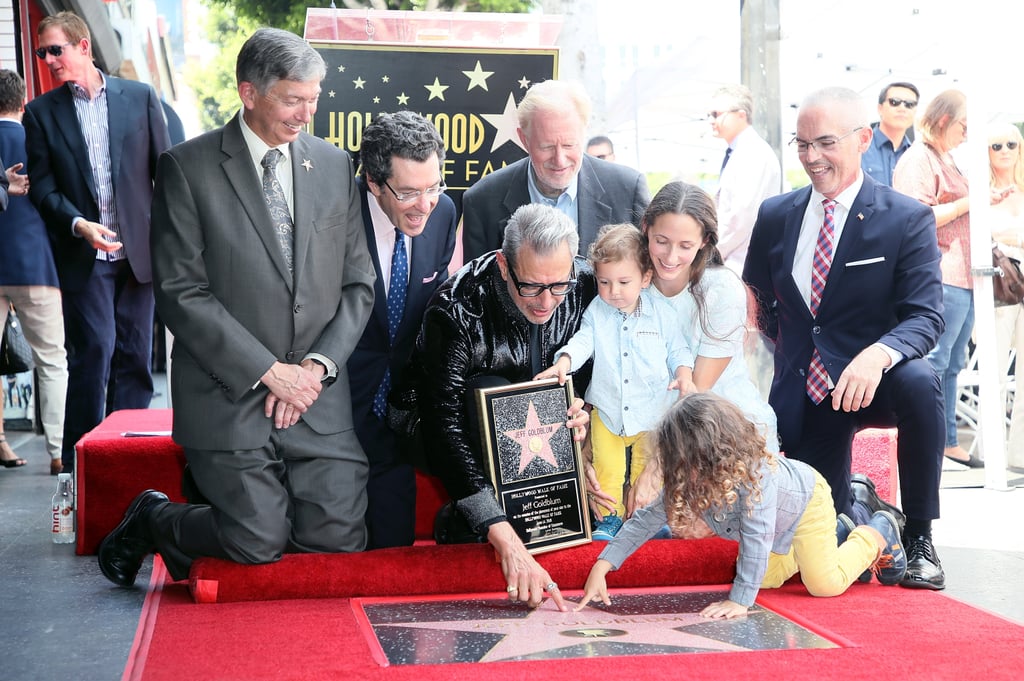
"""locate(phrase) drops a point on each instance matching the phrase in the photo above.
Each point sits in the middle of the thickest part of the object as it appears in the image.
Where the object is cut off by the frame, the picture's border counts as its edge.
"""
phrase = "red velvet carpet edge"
(461, 568)
(895, 633)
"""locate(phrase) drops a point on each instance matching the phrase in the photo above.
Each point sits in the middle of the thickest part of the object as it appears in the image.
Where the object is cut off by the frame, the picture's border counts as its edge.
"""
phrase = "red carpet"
(895, 633)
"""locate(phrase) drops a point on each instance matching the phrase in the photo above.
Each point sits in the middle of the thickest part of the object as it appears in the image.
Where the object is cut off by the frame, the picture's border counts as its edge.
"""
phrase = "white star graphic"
(330, 93)
(403, 99)
(506, 125)
(436, 90)
(385, 79)
(478, 77)
(376, 100)
(307, 164)
(341, 69)
(524, 83)
(359, 83)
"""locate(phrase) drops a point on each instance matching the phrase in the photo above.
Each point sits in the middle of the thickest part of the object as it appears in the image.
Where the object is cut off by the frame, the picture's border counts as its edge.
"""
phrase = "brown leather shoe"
(56, 466)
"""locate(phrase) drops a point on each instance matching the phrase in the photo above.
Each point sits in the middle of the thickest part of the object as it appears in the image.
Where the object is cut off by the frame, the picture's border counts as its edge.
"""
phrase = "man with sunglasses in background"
(93, 145)
(498, 320)
(894, 132)
(410, 228)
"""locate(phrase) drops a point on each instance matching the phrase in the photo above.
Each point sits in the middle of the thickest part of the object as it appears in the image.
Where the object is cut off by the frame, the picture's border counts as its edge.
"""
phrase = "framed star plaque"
(534, 463)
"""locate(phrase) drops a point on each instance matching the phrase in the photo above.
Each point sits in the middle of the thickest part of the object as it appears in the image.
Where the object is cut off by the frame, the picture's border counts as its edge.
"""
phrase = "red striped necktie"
(817, 376)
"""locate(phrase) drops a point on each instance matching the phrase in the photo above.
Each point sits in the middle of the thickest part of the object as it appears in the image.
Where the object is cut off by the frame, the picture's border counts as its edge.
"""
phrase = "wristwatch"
(330, 375)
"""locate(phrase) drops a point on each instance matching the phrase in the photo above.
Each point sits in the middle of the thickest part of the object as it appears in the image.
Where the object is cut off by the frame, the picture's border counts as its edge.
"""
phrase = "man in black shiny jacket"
(499, 318)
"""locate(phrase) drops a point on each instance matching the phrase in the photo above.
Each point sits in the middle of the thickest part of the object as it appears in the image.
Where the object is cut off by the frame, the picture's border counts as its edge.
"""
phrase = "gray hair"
(271, 54)
(541, 228)
(849, 105)
(561, 96)
(403, 134)
(741, 97)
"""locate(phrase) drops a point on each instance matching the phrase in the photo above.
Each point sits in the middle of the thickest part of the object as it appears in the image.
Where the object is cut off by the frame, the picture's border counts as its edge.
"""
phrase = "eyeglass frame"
(715, 115)
(895, 102)
(55, 50)
(998, 146)
(822, 144)
(569, 284)
(407, 197)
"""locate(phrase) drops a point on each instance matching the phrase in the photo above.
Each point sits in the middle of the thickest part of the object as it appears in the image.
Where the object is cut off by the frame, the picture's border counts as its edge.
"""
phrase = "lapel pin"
(307, 164)
(860, 216)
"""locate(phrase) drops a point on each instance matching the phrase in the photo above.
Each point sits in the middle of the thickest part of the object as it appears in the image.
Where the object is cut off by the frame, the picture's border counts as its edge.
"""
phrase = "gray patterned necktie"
(278, 205)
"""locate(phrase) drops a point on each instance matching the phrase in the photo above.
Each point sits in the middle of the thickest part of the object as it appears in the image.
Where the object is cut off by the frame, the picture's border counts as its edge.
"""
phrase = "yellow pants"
(610, 458)
(826, 569)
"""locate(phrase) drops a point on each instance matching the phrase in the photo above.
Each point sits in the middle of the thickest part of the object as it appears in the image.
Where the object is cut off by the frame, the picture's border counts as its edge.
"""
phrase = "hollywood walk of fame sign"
(534, 462)
(482, 628)
(469, 93)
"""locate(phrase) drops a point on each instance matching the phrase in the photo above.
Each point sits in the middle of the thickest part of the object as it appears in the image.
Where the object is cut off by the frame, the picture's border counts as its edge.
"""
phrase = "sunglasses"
(55, 50)
(909, 104)
(999, 145)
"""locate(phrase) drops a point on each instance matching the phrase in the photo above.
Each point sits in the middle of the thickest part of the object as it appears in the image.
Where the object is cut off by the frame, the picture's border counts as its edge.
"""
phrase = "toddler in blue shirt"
(641, 360)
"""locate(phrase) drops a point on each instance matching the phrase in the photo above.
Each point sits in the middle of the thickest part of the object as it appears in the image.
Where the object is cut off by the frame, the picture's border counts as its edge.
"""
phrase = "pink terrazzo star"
(535, 439)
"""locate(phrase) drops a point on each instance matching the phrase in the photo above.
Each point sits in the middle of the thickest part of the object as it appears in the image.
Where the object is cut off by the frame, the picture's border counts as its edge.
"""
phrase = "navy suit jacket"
(607, 193)
(374, 353)
(25, 255)
(884, 286)
(62, 186)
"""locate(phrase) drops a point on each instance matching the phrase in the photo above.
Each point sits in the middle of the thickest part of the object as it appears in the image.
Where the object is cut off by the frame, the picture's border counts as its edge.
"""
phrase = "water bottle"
(63, 527)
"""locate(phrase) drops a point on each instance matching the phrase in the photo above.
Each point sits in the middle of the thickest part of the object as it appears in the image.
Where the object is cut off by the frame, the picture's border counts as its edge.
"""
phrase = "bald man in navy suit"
(875, 313)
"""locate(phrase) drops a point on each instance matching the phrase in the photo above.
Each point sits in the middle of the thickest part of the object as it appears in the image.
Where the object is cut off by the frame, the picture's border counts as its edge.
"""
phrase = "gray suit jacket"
(607, 193)
(223, 289)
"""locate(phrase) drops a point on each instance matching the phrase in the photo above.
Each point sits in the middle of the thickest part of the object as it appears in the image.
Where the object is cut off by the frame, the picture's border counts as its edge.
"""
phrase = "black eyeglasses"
(999, 145)
(55, 50)
(822, 144)
(531, 290)
(907, 103)
(406, 197)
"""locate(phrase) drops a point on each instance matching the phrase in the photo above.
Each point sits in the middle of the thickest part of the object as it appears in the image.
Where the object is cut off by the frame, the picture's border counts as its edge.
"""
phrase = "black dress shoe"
(863, 489)
(123, 550)
(924, 571)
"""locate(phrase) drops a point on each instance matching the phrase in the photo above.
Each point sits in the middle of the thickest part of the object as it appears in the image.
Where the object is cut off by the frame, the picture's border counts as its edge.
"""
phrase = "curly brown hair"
(708, 450)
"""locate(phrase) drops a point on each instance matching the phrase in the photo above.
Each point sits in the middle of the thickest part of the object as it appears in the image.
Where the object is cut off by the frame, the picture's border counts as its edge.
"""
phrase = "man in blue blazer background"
(93, 144)
(553, 118)
(402, 190)
(877, 313)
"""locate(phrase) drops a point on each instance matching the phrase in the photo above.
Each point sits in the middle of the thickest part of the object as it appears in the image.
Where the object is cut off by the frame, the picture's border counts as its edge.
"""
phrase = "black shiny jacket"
(473, 328)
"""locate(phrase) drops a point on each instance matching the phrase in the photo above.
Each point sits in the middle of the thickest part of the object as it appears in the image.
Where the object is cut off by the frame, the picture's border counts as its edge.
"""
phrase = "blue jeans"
(949, 356)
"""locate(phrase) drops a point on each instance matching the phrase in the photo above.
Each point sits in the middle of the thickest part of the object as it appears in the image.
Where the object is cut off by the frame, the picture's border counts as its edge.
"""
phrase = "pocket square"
(432, 277)
(868, 261)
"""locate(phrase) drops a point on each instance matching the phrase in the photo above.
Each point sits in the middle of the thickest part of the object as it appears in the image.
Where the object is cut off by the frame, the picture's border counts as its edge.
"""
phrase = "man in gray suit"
(553, 118)
(265, 309)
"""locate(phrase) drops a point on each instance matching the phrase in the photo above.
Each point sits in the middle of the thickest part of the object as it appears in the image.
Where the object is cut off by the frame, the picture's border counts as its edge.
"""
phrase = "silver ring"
(551, 586)
(512, 589)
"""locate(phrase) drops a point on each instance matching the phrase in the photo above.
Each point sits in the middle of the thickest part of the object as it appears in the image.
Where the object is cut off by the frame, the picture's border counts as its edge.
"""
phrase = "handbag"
(1008, 288)
(15, 353)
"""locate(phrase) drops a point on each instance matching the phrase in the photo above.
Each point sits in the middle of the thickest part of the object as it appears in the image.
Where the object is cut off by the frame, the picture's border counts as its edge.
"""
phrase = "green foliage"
(213, 82)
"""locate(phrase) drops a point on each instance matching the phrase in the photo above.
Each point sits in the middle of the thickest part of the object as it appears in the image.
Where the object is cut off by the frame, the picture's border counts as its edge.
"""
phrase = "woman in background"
(928, 173)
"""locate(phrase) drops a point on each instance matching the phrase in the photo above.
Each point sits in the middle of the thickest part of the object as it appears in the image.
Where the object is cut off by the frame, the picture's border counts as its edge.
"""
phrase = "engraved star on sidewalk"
(547, 630)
